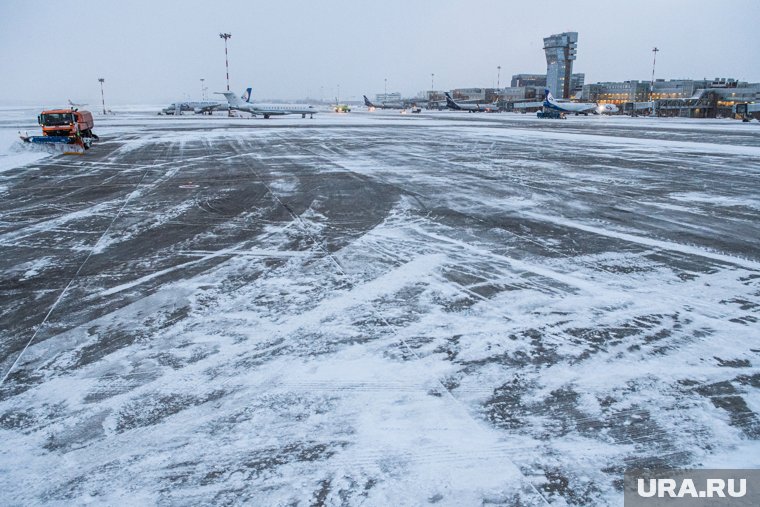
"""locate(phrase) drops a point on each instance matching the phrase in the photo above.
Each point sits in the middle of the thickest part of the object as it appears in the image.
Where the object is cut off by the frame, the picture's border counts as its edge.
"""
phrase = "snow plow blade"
(49, 139)
(60, 144)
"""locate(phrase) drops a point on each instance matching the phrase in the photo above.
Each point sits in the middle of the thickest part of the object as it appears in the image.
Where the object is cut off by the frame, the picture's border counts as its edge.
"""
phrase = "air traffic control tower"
(560, 52)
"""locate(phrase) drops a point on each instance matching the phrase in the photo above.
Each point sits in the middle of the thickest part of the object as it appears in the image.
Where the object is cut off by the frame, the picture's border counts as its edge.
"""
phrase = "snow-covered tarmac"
(377, 309)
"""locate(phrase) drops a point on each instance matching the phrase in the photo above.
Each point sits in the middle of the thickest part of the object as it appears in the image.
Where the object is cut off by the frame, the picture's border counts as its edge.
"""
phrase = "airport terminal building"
(520, 80)
(560, 52)
(475, 95)
(530, 88)
(381, 98)
(695, 98)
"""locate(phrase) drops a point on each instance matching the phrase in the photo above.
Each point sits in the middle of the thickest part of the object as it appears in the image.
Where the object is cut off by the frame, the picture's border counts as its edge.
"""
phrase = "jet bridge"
(703, 104)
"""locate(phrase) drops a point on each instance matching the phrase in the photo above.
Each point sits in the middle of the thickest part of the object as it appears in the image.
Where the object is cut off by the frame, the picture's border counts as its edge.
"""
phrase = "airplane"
(472, 108)
(209, 106)
(607, 109)
(583, 108)
(198, 107)
(266, 110)
(72, 104)
(385, 105)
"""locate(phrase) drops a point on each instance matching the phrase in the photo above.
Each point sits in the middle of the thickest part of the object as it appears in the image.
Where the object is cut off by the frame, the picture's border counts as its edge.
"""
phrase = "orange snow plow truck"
(69, 128)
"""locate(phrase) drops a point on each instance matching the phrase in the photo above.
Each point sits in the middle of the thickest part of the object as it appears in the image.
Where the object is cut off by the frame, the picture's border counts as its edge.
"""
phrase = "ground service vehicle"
(69, 128)
(554, 115)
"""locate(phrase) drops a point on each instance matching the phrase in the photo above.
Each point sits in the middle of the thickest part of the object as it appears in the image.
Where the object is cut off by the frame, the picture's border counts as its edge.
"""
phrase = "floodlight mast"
(226, 36)
(654, 62)
(651, 85)
(102, 96)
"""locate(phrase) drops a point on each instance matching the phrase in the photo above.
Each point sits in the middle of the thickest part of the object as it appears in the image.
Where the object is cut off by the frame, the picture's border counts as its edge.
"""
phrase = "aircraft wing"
(272, 112)
(211, 107)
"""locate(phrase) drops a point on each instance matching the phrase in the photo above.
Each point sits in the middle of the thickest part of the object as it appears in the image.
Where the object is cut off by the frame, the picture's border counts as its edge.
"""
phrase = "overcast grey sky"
(157, 51)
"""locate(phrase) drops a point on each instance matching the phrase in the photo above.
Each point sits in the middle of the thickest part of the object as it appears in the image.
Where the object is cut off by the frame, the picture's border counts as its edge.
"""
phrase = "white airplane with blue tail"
(568, 107)
(266, 110)
(577, 107)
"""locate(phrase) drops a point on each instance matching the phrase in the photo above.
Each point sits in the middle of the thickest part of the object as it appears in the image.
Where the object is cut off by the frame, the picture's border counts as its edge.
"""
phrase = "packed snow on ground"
(15, 153)
(381, 309)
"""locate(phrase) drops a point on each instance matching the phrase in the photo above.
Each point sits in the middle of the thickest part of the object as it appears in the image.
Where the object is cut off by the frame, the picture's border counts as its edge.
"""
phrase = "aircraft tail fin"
(246, 97)
(367, 102)
(450, 102)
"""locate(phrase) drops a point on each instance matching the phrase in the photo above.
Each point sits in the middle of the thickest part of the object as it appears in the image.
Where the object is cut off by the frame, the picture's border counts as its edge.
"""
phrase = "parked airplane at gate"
(569, 107)
(607, 109)
(472, 108)
(198, 107)
(386, 105)
(266, 110)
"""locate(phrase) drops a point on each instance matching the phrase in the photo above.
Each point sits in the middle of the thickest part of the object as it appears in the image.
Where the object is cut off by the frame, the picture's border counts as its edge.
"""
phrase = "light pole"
(102, 96)
(432, 82)
(385, 90)
(651, 85)
(654, 62)
(498, 76)
(203, 90)
(226, 36)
